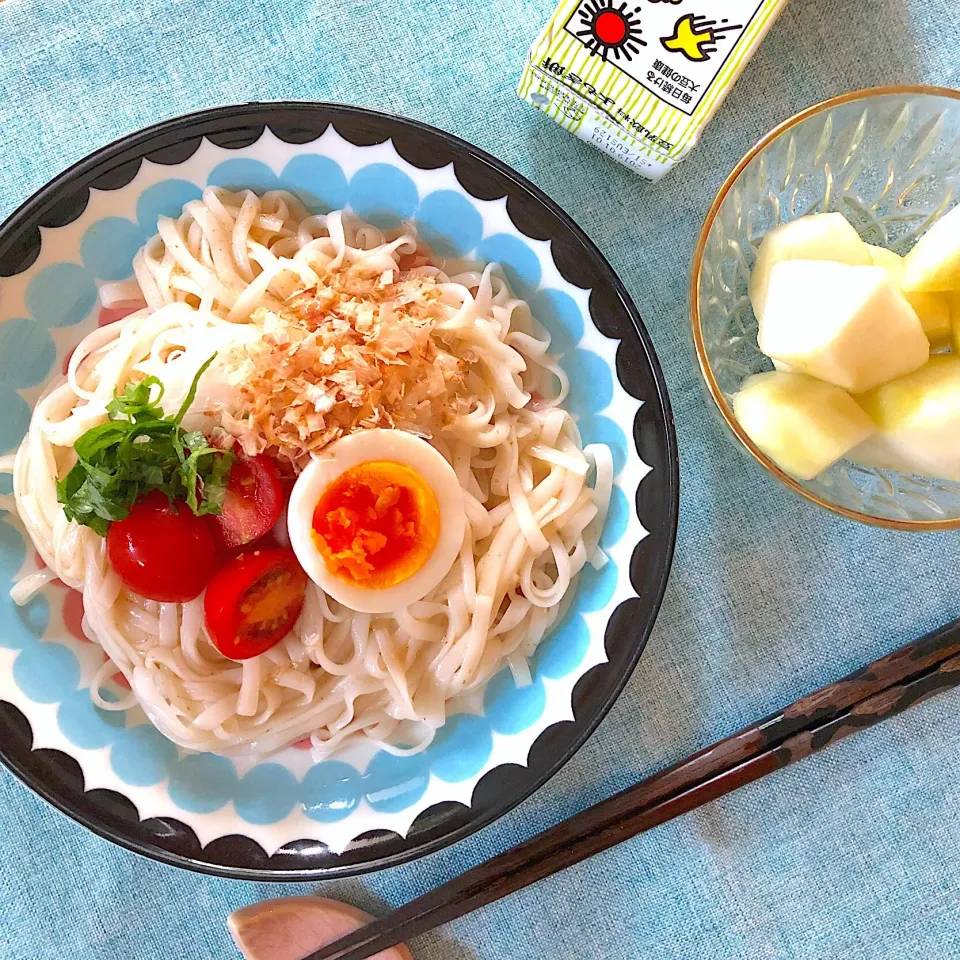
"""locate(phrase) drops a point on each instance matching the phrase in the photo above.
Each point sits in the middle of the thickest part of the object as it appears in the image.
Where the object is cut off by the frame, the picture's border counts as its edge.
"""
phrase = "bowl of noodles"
(339, 486)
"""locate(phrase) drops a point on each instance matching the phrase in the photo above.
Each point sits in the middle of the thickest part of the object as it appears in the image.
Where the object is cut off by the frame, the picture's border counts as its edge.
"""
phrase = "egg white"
(362, 447)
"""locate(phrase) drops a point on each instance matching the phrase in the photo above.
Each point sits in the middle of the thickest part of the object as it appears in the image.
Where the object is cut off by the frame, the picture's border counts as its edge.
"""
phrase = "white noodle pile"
(533, 519)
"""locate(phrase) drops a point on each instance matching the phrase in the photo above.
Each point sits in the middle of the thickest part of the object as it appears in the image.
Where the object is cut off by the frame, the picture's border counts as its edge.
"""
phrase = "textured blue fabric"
(855, 853)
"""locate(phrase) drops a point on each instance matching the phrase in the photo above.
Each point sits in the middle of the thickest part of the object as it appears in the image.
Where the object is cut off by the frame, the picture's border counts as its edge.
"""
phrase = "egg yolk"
(377, 524)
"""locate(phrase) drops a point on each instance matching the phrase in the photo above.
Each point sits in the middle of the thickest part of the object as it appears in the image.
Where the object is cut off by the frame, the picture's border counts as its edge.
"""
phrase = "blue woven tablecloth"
(852, 854)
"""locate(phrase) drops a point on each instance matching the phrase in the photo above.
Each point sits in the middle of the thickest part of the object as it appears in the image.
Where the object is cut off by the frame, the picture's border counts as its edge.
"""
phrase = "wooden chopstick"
(886, 687)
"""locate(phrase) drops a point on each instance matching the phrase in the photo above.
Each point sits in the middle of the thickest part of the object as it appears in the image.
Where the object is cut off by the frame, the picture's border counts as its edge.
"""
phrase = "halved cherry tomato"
(253, 502)
(161, 552)
(253, 602)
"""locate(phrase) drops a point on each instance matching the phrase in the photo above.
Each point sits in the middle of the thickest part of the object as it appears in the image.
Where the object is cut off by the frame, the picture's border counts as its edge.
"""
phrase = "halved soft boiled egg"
(377, 521)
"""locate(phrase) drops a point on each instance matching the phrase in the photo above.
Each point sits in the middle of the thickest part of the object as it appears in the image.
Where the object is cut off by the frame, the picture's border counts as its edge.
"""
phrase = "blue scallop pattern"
(330, 791)
(13, 552)
(450, 223)
(86, 725)
(242, 173)
(563, 649)
(519, 263)
(383, 194)
(63, 294)
(35, 616)
(15, 418)
(393, 783)
(202, 782)
(461, 748)
(33, 348)
(510, 708)
(591, 382)
(166, 198)
(47, 672)
(142, 756)
(108, 246)
(596, 587)
(266, 794)
(318, 181)
(26, 625)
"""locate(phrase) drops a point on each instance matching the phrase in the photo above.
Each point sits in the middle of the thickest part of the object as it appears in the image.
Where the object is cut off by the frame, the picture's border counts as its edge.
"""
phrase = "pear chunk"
(932, 309)
(933, 265)
(918, 421)
(890, 261)
(821, 236)
(953, 303)
(847, 325)
(802, 424)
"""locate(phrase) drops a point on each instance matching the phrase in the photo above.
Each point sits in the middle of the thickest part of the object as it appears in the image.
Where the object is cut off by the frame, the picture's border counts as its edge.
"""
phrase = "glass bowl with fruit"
(825, 302)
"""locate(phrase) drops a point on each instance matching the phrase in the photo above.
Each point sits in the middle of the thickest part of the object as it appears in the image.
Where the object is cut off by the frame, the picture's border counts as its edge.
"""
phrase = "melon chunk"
(918, 421)
(847, 325)
(932, 309)
(822, 236)
(933, 265)
(802, 424)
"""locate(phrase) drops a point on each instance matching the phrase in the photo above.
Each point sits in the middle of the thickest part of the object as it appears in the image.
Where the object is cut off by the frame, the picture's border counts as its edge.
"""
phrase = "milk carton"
(640, 79)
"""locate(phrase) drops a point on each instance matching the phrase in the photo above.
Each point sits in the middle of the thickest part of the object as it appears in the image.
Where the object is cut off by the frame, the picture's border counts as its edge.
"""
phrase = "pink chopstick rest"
(290, 928)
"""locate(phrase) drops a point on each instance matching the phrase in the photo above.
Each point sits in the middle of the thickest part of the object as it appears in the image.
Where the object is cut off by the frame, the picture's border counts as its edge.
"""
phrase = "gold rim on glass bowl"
(706, 370)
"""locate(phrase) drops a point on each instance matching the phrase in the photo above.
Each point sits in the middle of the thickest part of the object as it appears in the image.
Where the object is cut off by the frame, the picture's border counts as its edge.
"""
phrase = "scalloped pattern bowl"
(888, 159)
(287, 815)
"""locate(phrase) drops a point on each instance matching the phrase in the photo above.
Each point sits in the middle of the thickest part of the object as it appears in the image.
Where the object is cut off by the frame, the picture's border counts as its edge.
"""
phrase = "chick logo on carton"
(696, 37)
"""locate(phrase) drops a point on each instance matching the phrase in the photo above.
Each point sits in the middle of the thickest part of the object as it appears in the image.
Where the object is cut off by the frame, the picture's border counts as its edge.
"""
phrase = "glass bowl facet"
(888, 159)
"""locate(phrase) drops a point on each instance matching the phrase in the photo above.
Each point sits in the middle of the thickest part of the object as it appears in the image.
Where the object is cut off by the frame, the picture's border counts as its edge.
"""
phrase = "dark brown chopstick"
(883, 689)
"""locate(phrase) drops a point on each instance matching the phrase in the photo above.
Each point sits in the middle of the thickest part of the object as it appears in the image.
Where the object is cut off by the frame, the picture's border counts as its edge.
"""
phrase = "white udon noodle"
(533, 520)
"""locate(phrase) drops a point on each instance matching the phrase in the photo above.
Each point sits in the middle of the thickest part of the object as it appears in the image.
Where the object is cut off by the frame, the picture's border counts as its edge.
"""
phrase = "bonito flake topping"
(355, 353)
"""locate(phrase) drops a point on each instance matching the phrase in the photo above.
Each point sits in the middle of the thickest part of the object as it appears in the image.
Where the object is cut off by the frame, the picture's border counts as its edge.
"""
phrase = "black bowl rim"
(31, 773)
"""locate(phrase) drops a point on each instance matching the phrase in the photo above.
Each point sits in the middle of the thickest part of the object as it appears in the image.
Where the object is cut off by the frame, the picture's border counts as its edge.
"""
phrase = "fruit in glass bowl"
(884, 160)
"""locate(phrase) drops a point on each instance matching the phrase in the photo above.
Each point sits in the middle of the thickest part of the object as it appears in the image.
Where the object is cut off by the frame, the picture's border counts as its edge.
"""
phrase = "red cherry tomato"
(161, 552)
(253, 602)
(253, 502)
